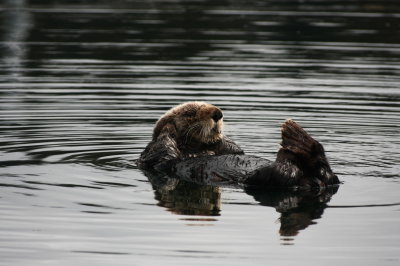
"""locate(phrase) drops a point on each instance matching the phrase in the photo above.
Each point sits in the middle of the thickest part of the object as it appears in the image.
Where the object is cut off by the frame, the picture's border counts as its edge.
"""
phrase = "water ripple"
(81, 86)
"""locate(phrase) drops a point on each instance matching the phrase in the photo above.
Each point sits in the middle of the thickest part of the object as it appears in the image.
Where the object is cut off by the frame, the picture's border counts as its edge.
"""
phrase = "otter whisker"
(190, 130)
(186, 133)
(204, 132)
(198, 129)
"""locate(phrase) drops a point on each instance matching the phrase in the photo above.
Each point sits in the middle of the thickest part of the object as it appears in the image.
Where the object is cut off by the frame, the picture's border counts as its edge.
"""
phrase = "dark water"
(82, 83)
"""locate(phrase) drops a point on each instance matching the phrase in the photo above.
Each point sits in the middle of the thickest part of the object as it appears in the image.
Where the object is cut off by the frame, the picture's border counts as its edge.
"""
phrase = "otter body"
(188, 144)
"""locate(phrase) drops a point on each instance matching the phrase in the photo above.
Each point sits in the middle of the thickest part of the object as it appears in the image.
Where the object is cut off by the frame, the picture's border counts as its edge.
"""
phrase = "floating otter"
(188, 144)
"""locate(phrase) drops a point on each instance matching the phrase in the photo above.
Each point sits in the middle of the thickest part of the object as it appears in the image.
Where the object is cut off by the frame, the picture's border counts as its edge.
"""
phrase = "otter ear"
(165, 125)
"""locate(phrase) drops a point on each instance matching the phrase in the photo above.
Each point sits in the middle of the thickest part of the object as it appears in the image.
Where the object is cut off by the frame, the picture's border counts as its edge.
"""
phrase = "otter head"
(190, 121)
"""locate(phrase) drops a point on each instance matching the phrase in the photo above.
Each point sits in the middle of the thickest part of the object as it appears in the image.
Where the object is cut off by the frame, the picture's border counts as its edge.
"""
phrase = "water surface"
(83, 82)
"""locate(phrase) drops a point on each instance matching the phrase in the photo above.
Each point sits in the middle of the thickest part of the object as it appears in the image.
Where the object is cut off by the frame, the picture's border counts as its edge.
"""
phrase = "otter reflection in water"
(298, 209)
(187, 198)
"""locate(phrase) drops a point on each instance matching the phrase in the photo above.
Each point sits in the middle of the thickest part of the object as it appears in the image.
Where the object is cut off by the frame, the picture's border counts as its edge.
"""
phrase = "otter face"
(198, 121)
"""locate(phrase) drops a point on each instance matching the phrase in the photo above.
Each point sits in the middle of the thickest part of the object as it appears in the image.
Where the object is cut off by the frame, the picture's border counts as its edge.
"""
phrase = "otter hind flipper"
(297, 140)
(303, 151)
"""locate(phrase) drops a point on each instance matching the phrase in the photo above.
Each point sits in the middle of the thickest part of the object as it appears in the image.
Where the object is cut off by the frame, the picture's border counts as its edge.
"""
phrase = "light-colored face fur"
(190, 121)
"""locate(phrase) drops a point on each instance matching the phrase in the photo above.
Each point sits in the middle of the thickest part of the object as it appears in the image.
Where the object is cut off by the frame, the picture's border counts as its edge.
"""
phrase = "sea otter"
(188, 130)
(188, 144)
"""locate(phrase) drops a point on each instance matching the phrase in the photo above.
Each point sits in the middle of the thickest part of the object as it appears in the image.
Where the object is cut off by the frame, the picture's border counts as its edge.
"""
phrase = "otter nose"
(217, 115)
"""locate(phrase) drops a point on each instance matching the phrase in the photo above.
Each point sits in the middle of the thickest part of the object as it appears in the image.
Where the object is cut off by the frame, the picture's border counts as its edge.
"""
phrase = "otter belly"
(220, 170)
(250, 171)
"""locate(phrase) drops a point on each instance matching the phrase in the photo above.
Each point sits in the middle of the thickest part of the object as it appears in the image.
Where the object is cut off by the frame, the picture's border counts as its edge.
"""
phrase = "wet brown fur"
(191, 121)
(305, 155)
(188, 130)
